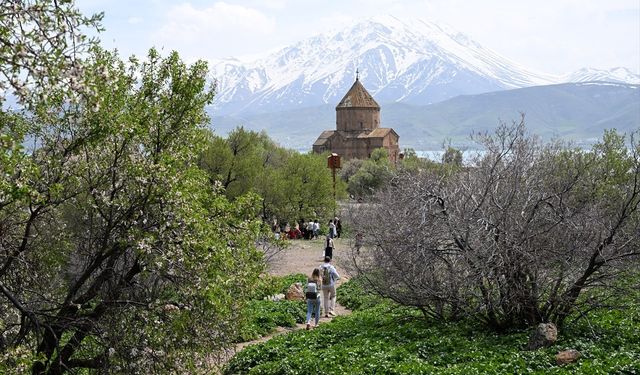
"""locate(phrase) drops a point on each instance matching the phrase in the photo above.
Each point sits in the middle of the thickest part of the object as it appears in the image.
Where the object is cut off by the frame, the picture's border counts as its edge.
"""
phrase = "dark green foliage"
(292, 185)
(373, 174)
(391, 340)
(353, 296)
(262, 317)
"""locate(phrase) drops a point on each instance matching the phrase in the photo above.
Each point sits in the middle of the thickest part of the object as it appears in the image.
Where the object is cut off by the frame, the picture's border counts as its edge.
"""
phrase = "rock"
(567, 356)
(169, 307)
(275, 297)
(544, 335)
(295, 293)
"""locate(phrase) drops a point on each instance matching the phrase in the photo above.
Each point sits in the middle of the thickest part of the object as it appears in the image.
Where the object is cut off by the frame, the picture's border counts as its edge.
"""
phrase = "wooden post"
(333, 162)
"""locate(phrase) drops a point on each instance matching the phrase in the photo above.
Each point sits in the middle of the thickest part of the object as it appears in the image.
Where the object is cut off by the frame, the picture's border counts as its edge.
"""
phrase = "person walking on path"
(316, 229)
(328, 247)
(332, 229)
(310, 230)
(329, 278)
(312, 295)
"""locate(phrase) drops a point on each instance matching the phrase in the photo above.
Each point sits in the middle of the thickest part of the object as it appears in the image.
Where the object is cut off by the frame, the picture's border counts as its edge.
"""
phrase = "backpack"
(312, 290)
(326, 275)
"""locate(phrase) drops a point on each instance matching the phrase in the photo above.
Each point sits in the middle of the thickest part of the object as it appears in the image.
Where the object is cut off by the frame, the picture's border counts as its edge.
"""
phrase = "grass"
(381, 337)
(261, 316)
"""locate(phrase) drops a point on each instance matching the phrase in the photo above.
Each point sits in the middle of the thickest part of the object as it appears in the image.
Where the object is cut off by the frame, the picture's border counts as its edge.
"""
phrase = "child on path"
(312, 294)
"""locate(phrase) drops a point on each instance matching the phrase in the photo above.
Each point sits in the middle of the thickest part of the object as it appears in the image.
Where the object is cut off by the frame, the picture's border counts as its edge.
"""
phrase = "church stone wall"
(391, 144)
(357, 119)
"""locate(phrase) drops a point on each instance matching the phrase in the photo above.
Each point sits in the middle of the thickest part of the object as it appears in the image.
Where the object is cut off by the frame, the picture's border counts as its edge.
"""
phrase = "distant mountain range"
(426, 77)
(571, 111)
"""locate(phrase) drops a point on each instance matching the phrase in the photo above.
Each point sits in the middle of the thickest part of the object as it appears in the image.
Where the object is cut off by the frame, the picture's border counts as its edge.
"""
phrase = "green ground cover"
(383, 338)
(262, 316)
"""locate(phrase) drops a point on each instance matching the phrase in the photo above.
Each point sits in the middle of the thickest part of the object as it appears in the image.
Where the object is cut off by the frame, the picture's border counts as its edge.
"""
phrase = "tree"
(514, 238)
(40, 45)
(452, 156)
(308, 187)
(412, 163)
(374, 173)
(116, 252)
(292, 185)
(237, 161)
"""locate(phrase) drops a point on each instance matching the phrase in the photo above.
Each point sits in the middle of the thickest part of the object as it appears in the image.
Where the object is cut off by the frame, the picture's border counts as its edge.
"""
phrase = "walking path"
(302, 256)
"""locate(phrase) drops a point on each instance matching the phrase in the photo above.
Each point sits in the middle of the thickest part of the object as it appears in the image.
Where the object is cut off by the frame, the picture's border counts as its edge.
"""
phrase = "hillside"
(576, 111)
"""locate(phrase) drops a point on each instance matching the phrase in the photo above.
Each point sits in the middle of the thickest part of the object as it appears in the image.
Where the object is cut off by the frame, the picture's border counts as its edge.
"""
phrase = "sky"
(547, 36)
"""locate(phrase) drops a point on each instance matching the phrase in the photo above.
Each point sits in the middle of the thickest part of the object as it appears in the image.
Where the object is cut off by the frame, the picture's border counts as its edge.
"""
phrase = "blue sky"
(550, 36)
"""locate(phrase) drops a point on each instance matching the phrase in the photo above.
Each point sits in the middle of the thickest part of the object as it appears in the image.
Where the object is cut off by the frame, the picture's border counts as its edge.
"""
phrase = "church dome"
(357, 97)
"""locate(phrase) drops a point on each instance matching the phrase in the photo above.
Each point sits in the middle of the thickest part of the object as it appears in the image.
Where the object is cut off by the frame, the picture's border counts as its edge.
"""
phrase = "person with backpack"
(329, 278)
(312, 295)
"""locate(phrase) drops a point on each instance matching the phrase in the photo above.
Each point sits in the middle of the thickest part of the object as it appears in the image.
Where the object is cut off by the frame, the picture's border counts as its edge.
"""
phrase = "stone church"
(358, 130)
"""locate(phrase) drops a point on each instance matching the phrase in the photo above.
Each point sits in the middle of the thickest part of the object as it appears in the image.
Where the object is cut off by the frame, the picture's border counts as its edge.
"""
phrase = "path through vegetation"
(302, 256)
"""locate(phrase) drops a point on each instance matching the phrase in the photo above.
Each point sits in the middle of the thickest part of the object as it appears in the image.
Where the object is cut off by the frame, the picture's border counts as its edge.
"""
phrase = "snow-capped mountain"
(618, 75)
(413, 62)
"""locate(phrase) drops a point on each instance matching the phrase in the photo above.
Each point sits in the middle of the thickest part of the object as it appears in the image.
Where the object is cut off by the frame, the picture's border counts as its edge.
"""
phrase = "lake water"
(437, 155)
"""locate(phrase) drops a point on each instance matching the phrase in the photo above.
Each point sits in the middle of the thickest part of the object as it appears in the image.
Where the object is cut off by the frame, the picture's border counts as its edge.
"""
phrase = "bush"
(512, 239)
(353, 295)
(262, 317)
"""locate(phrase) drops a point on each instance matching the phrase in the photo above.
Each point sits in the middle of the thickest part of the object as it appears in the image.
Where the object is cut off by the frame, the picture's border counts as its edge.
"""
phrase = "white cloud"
(272, 4)
(552, 36)
(222, 26)
(335, 21)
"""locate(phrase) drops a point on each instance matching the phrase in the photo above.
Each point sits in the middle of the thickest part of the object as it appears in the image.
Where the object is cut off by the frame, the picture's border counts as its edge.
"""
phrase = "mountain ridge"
(412, 61)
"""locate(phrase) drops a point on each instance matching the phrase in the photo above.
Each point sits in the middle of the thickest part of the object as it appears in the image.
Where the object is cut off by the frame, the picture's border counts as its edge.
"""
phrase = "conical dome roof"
(357, 97)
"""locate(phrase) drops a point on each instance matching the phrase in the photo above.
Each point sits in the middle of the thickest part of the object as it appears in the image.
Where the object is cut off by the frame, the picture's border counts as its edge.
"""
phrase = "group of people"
(323, 280)
(309, 230)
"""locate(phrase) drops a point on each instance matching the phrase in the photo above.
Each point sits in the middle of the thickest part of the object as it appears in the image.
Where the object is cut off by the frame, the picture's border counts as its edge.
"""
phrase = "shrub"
(514, 238)
(353, 295)
(262, 317)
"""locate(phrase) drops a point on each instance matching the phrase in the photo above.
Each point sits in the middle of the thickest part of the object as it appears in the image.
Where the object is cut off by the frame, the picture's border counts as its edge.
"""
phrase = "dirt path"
(303, 256)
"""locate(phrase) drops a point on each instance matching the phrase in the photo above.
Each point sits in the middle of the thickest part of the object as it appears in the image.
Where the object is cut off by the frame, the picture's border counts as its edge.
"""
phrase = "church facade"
(358, 130)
